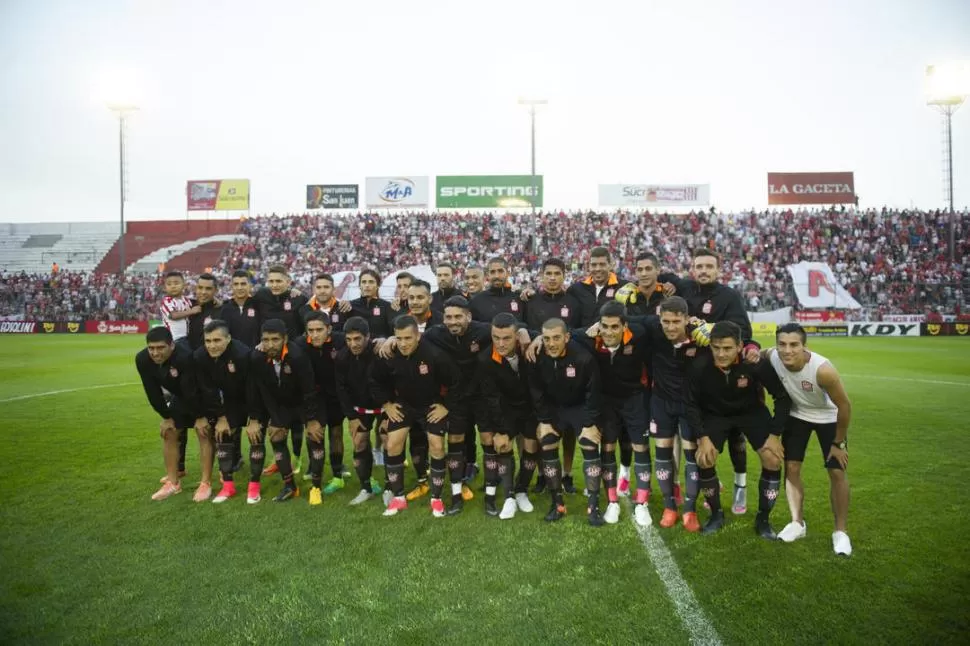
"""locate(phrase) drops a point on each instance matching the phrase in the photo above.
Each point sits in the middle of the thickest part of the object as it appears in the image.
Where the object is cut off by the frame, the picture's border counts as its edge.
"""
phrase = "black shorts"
(521, 425)
(415, 418)
(569, 420)
(796, 435)
(291, 418)
(462, 420)
(667, 418)
(755, 426)
(624, 417)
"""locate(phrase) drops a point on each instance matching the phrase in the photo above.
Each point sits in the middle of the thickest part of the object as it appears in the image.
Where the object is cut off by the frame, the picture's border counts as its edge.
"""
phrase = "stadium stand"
(74, 246)
(145, 238)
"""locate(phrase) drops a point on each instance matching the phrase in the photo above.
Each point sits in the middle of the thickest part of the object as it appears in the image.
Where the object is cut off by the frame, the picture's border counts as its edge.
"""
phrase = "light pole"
(947, 87)
(122, 110)
(532, 103)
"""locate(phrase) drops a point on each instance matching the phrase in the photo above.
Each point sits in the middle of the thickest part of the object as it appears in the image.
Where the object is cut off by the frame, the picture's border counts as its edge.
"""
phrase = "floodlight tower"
(122, 111)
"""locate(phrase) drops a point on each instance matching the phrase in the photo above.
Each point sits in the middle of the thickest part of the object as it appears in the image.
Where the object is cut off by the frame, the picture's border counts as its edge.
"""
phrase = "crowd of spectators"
(891, 261)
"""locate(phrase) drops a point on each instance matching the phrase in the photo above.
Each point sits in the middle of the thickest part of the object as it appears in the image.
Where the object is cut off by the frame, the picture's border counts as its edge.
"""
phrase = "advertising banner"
(884, 329)
(487, 191)
(816, 287)
(396, 192)
(18, 327)
(944, 329)
(820, 316)
(904, 318)
(650, 195)
(826, 330)
(811, 188)
(116, 327)
(764, 329)
(60, 327)
(217, 195)
(332, 196)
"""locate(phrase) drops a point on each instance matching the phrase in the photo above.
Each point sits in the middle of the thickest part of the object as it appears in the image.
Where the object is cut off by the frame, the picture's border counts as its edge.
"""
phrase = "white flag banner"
(817, 288)
(651, 195)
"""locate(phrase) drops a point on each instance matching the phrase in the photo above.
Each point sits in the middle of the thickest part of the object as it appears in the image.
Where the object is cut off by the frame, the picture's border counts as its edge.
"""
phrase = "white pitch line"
(910, 380)
(696, 622)
(66, 390)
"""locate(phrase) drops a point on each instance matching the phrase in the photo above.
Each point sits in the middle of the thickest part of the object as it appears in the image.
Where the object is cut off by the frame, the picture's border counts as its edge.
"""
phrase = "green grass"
(86, 557)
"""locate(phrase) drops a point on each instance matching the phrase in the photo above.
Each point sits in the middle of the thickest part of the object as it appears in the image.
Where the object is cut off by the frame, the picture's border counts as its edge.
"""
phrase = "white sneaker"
(387, 497)
(793, 531)
(612, 514)
(523, 503)
(363, 496)
(508, 509)
(642, 515)
(841, 543)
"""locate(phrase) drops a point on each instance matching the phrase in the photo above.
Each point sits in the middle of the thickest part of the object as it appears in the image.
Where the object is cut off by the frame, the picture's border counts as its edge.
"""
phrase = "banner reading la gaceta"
(650, 195)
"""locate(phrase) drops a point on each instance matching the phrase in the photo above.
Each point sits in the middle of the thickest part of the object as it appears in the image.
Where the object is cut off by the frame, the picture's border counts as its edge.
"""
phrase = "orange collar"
(315, 305)
(427, 315)
(496, 357)
(283, 354)
(627, 335)
(612, 280)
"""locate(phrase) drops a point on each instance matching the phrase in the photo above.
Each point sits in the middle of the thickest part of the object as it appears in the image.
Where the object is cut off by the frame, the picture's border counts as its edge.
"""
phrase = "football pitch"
(86, 556)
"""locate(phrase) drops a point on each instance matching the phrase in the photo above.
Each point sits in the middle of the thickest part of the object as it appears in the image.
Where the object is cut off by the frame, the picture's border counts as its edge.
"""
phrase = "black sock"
(364, 466)
(491, 469)
(506, 473)
(552, 469)
(641, 469)
(316, 451)
(692, 481)
(257, 458)
(183, 441)
(437, 476)
(336, 462)
(394, 467)
(419, 454)
(282, 455)
(528, 462)
(297, 440)
(471, 449)
(237, 446)
(626, 453)
(665, 475)
(592, 467)
(739, 453)
(226, 453)
(608, 459)
(768, 487)
(711, 489)
(456, 461)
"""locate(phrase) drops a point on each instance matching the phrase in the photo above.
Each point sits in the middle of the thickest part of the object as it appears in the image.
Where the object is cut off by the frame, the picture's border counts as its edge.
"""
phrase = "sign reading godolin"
(488, 191)
(217, 195)
(650, 195)
(811, 188)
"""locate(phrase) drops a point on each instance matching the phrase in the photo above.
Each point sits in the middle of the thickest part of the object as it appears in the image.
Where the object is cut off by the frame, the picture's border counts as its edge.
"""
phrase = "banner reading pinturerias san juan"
(811, 188)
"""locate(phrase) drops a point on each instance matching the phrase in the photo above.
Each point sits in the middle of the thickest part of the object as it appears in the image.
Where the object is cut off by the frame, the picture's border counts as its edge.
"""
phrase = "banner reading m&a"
(217, 195)
(487, 191)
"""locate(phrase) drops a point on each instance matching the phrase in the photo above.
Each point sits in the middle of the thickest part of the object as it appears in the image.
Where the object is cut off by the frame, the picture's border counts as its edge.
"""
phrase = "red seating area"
(142, 238)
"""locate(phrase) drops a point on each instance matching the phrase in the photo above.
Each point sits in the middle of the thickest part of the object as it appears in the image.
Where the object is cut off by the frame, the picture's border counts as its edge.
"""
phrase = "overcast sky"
(291, 93)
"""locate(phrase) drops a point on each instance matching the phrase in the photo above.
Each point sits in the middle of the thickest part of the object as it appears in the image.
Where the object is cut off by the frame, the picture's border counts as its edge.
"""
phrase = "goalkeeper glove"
(627, 294)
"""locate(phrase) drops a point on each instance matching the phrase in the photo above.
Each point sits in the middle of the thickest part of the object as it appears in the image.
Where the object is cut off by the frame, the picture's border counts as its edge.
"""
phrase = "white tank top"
(810, 402)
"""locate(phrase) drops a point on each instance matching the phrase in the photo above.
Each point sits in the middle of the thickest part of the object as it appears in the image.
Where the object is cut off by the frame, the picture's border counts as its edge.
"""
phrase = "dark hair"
(792, 328)
(417, 282)
(209, 276)
(599, 252)
(674, 305)
(404, 274)
(701, 252)
(613, 308)
(323, 276)
(726, 330)
(473, 268)
(369, 272)
(159, 334)
(554, 262)
(498, 260)
(216, 324)
(457, 301)
(357, 324)
(277, 269)
(174, 274)
(555, 324)
(273, 326)
(648, 255)
(404, 321)
(504, 320)
(241, 273)
(317, 315)
(447, 264)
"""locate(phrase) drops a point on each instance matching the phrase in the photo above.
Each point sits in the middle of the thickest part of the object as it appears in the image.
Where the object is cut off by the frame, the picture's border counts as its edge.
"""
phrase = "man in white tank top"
(820, 404)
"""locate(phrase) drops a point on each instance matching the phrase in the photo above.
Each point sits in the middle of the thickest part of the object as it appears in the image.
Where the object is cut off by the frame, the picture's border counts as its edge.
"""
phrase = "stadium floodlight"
(122, 111)
(947, 87)
(532, 103)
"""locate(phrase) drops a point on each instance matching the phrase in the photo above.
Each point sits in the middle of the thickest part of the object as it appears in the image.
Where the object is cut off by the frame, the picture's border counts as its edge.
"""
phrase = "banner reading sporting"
(650, 195)
(217, 195)
(332, 196)
(487, 191)
(401, 192)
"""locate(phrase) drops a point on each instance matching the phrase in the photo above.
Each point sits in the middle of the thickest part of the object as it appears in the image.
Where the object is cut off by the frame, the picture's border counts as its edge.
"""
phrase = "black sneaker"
(762, 527)
(556, 512)
(540, 485)
(490, 508)
(289, 491)
(457, 504)
(595, 517)
(567, 484)
(714, 523)
(471, 472)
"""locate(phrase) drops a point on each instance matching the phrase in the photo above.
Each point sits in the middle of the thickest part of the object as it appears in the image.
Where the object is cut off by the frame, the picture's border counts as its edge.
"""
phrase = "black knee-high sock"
(237, 446)
(626, 453)
(711, 489)
(317, 452)
(225, 454)
(665, 475)
(297, 441)
(641, 469)
(491, 471)
(592, 469)
(183, 441)
(437, 476)
(282, 455)
(528, 462)
(608, 459)
(363, 466)
(768, 488)
(394, 468)
(739, 453)
(552, 469)
(456, 461)
(336, 456)
(419, 455)
(692, 481)
(471, 450)
(257, 458)
(506, 469)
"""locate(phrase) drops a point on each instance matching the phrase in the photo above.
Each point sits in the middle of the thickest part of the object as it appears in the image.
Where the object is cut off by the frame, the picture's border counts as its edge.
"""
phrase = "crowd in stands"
(892, 261)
